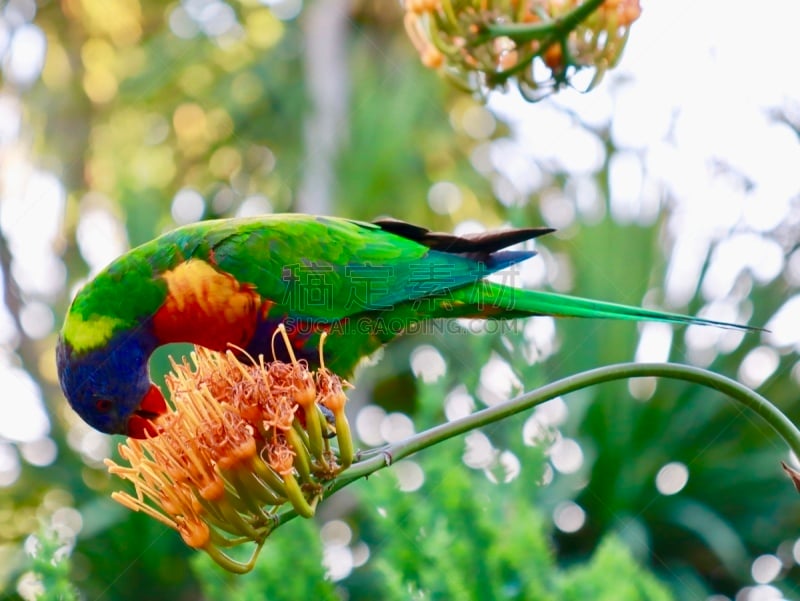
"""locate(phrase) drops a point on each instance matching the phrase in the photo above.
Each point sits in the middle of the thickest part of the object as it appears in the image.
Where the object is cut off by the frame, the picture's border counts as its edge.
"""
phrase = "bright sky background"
(690, 102)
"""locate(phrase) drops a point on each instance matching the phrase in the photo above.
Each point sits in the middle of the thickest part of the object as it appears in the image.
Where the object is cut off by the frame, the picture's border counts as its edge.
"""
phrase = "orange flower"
(244, 438)
(485, 44)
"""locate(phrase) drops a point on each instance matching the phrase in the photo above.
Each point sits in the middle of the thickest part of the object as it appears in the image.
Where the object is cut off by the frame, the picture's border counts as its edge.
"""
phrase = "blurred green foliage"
(290, 569)
(50, 568)
(137, 103)
(459, 536)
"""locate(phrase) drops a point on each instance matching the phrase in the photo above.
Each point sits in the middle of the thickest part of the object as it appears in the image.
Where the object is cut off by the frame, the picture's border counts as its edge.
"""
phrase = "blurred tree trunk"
(326, 25)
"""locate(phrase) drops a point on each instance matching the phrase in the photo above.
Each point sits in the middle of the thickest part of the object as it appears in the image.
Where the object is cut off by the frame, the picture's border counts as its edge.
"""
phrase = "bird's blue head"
(110, 387)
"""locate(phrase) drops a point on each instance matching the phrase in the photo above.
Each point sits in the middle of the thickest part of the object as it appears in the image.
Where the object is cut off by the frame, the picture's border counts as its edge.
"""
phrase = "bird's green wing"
(326, 268)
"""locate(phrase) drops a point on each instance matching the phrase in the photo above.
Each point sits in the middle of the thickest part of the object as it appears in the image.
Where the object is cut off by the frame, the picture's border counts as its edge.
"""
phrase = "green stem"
(220, 540)
(214, 517)
(237, 523)
(738, 392)
(301, 460)
(253, 491)
(231, 564)
(344, 438)
(268, 475)
(526, 32)
(314, 429)
(298, 500)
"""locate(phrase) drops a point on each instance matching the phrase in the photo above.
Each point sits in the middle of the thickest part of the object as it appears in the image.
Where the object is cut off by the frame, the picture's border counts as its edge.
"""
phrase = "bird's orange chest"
(207, 307)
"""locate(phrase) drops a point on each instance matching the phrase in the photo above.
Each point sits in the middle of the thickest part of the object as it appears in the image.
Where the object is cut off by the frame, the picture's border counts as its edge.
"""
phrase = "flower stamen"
(244, 438)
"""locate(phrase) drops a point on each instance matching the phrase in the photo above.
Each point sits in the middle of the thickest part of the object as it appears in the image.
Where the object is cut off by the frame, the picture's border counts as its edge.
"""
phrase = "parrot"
(231, 283)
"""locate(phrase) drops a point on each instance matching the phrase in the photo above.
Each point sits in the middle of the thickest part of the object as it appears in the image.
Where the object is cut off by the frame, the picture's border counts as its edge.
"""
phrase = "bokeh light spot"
(478, 122)
(410, 476)
(368, 425)
(26, 55)
(10, 467)
(188, 206)
(10, 118)
(360, 552)
(37, 319)
(505, 468)
(758, 365)
(285, 10)
(569, 517)
(784, 325)
(396, 426)
(553, 413)
(497, 381)
(766, 568)
(67, 521)
(672, 478)
(101, 238)
(444, 197)
(253, 206)
(535, 432)
(41, 452)
(189, 121)
(181, 23)
(338, 561)
(336, 532)
(427, 363)
(263, 29)
(225, 162)
(22, 414)
(479, 453)
(655, 342)
(558, 210)
(566, 455)
(458, 403)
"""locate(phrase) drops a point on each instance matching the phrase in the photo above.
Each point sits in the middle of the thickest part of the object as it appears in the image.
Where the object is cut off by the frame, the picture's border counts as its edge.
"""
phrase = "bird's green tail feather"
(488, 300)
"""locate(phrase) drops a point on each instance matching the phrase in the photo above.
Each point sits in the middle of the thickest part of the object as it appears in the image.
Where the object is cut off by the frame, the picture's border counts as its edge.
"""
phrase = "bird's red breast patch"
(208, 307)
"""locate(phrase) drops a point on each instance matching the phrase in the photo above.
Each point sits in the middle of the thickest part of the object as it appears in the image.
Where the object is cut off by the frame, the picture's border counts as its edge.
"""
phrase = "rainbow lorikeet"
(233, 281)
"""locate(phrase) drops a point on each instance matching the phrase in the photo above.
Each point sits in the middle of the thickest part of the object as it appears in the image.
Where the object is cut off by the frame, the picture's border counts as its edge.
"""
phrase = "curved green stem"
(526, 32)
(229, 563)
(344, 438)
(736, 391)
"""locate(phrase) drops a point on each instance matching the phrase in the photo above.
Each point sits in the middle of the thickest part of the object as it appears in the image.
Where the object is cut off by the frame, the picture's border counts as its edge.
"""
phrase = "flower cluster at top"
(244, 439)
(541, 44)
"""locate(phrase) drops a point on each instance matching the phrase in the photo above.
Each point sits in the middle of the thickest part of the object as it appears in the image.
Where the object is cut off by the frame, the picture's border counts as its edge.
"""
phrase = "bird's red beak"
(141, 422)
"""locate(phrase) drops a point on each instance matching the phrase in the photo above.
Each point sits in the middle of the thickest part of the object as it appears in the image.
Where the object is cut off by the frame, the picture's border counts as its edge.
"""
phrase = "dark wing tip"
(483, 243)
(401, 228)
(730, 326)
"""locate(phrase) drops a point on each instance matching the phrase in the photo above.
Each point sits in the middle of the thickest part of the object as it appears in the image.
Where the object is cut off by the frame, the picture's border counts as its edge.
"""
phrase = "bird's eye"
(102, 405)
